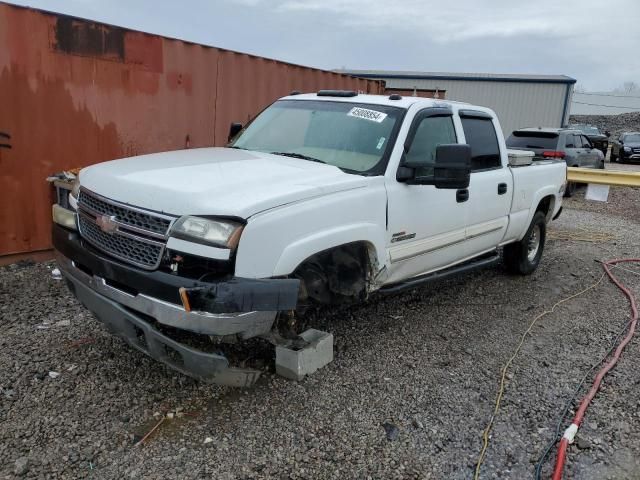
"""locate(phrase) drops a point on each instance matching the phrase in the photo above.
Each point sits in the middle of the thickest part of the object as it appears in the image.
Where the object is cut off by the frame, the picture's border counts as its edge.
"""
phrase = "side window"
(570, 141)
(578, 141)
(481, 137)
(431, 132)
(585, 142)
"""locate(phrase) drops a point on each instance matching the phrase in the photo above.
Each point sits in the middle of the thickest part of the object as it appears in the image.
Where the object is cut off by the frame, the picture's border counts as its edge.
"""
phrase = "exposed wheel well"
(341, 274)
(546, 206)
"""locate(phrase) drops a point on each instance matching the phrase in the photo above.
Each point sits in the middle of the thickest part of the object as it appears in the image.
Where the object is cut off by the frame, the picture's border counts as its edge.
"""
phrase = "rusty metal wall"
(75, 92)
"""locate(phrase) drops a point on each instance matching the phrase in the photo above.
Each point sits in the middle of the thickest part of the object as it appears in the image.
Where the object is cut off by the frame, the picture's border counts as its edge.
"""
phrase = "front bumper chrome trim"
(245, 324)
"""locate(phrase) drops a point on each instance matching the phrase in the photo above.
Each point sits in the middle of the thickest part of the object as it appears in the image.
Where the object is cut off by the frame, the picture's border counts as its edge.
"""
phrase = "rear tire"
(569, 189)
(523, 257)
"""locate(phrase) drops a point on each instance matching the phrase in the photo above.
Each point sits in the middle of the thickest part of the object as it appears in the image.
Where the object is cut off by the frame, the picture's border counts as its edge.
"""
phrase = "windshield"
(632, 138)
(587, 129)
(354, 137)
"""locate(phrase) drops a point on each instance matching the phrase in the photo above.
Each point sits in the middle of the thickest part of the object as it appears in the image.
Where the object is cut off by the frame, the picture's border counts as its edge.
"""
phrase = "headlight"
(219, 233)
(627, 149)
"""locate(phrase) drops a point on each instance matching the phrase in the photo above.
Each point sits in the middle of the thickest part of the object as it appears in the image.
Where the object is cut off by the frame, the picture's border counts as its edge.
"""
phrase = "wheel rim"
(533, 245)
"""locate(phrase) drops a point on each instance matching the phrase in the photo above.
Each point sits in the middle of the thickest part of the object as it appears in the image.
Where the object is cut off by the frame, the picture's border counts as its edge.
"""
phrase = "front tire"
(523, 257)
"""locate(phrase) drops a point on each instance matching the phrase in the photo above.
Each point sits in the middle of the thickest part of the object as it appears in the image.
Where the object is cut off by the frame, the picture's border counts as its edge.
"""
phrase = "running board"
(475, 264)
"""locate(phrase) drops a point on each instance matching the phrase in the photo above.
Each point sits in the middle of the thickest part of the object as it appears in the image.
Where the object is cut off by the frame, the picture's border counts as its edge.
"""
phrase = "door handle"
(502, 188)
(462, 195)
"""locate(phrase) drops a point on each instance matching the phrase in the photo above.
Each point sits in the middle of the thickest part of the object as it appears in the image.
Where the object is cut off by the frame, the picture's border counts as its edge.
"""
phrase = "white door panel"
(428, 245)
(426, 263)
(488, 210)
(425, 225)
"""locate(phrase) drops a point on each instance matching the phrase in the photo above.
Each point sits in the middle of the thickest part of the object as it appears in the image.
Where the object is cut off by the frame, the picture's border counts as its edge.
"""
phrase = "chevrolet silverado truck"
(322, 199)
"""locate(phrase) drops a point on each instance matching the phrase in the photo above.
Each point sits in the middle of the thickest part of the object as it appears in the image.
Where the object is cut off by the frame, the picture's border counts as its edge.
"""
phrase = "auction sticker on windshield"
(367, 114)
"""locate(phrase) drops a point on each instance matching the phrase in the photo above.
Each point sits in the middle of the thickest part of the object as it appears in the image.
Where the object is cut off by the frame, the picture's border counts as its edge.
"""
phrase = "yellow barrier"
(603, 177)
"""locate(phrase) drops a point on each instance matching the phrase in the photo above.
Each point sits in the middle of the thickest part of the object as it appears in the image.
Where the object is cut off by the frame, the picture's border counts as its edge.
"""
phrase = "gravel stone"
(614, 124)
(441, 347)
(21, 466)
(391, 430)
(583, 443)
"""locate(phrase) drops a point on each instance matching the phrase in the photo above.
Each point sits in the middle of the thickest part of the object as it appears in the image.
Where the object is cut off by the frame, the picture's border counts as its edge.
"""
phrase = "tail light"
(553, 154)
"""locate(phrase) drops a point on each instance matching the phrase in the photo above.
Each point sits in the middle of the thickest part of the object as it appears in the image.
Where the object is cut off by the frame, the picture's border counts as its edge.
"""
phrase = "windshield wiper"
(298, 155)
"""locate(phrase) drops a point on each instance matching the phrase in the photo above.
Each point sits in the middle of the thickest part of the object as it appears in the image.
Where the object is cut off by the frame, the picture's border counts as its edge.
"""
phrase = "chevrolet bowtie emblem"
(107, 223)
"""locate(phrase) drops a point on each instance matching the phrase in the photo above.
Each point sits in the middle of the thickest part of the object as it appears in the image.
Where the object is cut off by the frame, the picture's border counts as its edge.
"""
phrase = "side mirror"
(451, 170)
(234, 129)
(607, 133)
(453, 166)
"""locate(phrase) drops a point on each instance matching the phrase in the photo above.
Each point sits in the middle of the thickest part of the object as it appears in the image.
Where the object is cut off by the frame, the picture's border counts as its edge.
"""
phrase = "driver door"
(426, 225)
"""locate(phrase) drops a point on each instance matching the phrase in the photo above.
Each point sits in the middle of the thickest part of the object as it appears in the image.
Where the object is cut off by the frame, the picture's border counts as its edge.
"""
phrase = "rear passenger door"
(590, 155)
(582, 155)
(572, 149)
(491, 185)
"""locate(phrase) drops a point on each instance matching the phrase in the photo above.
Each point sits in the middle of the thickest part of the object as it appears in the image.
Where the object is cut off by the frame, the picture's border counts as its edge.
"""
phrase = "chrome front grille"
(130, 234)
(138, 219)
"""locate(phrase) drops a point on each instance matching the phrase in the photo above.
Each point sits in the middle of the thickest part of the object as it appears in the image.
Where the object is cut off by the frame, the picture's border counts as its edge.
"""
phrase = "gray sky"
(595, 41)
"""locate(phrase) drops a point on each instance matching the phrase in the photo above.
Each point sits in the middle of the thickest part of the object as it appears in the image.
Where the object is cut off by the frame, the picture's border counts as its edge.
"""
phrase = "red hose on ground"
(570, 433)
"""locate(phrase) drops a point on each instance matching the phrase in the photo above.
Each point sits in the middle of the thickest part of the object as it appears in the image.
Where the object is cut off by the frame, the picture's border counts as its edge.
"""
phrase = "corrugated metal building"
(604, 103)
(519, 100)
(75, 92)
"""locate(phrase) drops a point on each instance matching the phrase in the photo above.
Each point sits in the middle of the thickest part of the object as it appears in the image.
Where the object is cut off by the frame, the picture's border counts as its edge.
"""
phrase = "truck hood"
(214, 181)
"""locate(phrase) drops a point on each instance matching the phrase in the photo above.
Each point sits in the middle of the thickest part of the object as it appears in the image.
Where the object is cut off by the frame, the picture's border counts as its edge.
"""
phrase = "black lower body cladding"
(246, 295)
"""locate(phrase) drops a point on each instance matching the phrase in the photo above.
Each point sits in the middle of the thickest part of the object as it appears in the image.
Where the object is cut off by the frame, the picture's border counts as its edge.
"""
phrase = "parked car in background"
(569, 144)
(626, 148)
(596, 137)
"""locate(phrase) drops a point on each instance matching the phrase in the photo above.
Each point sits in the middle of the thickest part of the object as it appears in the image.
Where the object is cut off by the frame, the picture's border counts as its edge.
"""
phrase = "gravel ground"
(615, 124)
(622, 200)
(426, 362)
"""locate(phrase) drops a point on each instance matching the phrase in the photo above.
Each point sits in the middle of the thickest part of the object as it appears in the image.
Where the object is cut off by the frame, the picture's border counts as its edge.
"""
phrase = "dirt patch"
(623, 202)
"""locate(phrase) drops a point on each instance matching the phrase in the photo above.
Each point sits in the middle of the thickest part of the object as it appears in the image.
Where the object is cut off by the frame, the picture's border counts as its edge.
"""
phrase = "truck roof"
(403, 102)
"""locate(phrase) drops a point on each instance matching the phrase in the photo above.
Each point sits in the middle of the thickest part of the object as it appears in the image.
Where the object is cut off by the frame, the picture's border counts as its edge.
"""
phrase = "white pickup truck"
(323, 198)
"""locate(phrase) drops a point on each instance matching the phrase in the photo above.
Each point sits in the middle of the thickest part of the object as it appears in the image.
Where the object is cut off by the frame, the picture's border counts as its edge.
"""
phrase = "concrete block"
(296, 363)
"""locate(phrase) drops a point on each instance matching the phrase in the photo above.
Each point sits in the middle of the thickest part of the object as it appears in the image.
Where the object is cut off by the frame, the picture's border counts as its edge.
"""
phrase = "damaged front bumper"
(130, 301)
